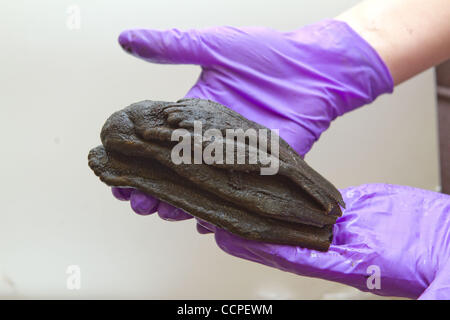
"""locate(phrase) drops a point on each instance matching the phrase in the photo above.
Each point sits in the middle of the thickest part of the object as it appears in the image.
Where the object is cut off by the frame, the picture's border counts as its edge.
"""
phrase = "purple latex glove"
(297, 81)
(400, 235)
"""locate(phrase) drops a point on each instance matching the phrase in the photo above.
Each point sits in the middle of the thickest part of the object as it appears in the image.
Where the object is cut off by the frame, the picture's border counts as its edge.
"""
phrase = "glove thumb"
(167, 46)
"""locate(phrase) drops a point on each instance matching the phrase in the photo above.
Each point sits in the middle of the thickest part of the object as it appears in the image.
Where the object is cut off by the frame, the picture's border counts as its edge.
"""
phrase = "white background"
(58, 86)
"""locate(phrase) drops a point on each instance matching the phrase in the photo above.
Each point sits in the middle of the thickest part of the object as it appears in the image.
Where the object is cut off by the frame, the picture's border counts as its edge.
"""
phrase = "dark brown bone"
(296, 206)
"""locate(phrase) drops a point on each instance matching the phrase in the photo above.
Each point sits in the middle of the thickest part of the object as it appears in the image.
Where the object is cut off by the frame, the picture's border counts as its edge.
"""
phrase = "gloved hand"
(395, 238)
(297, 81)
(391, 240)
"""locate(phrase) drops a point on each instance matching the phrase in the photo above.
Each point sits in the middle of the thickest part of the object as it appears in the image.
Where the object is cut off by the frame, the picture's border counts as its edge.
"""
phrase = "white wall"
(57, 86)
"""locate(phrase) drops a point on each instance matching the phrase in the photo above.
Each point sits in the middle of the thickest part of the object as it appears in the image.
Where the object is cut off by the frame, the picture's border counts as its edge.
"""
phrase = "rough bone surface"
(297, 206)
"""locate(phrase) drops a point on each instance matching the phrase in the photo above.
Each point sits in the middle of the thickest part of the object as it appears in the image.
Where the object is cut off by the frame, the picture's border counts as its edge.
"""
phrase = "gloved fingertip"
(171, 213)
(122, 194)
(142, 203)
(202, 230)
(206, 225)
(229, 243)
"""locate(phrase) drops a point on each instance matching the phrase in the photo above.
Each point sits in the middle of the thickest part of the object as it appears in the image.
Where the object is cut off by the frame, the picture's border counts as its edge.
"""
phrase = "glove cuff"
(355, 72)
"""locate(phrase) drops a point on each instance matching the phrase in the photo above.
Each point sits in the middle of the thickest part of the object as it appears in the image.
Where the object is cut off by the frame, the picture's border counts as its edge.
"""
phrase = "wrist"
(356, 74)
